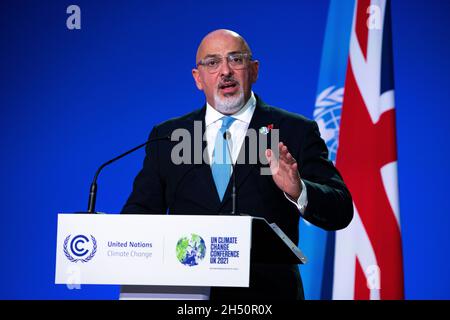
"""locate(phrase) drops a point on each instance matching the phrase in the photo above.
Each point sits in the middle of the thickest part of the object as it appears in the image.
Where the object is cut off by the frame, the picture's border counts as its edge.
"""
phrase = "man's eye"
(212, 63)
(237, 59)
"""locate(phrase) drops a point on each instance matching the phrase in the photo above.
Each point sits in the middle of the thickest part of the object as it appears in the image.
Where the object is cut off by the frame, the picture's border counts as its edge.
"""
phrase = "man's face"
(228, 87)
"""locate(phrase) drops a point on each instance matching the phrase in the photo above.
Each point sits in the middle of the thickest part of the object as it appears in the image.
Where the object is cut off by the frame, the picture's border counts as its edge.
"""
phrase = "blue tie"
(221, 158)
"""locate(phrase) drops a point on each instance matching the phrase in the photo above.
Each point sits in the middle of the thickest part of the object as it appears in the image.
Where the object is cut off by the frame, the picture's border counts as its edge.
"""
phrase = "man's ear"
(196, 75)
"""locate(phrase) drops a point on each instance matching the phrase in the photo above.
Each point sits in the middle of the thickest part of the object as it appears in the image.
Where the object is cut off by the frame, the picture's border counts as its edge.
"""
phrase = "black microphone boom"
(93, 189)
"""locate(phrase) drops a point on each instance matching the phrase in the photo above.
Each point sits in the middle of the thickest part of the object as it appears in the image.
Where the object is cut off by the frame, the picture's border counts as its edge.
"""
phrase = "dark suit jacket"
(163, 187)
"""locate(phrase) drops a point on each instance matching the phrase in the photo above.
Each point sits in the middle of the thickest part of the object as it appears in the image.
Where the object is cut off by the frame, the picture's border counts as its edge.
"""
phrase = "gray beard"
(229, 105)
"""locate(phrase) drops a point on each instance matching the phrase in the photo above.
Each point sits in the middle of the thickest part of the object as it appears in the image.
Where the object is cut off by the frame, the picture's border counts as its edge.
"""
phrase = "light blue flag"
(317, 244)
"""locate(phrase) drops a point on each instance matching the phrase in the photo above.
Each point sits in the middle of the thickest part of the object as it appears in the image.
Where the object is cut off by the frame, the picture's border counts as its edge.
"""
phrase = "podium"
(167, 256)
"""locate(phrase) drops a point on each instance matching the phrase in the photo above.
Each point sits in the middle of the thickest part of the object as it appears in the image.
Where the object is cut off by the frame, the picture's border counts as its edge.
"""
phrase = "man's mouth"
(229, 87)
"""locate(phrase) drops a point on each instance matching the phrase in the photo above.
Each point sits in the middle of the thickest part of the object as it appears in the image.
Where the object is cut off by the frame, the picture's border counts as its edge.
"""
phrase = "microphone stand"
(227, 136)
(93, 189)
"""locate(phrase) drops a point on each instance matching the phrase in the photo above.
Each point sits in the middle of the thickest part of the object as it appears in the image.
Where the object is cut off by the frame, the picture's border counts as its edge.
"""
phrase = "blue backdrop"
(71, 99)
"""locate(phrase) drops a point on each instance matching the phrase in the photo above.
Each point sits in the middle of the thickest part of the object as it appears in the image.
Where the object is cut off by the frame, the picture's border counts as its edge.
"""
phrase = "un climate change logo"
(80, 247)
(190, 251)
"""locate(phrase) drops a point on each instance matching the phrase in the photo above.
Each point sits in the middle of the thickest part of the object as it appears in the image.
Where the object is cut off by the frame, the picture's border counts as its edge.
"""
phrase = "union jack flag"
(367, 261)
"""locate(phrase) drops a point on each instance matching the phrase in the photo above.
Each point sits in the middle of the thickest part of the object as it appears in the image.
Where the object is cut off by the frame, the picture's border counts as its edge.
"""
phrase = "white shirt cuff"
(302, 201)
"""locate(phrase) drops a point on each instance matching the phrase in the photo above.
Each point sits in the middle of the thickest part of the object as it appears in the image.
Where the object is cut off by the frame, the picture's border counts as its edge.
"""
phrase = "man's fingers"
(290, 158)
(283, 151)
(285, 155)
(273, 161)
(284, 161)
(270, 157)
(294, 171)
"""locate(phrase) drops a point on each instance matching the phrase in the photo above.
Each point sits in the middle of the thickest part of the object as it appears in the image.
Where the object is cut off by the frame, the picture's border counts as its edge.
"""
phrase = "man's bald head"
(225, 70)
(215, 39)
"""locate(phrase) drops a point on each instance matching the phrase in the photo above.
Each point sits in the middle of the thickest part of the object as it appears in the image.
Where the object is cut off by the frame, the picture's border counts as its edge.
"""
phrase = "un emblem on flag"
(328, 117)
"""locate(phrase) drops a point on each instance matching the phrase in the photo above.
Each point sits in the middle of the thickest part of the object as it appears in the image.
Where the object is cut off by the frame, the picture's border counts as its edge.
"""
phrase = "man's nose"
(225, 68)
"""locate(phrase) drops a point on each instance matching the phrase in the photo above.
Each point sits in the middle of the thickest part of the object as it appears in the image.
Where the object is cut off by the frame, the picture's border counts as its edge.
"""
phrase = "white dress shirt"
(238, 130)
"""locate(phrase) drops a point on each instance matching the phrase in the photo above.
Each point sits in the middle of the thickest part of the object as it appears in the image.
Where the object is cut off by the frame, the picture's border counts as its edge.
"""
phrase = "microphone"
(227, 136)
(93, 189)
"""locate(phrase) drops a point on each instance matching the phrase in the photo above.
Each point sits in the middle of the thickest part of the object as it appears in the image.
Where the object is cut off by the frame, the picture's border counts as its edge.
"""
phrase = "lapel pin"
(266, 129)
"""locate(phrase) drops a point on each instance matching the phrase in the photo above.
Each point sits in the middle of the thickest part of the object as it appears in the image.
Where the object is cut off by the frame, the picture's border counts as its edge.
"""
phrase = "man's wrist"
(302, 200)
(293, 198)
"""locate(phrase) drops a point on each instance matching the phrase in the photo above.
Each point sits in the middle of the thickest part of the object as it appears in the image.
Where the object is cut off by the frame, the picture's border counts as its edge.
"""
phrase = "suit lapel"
(204, 169)
(205, 186)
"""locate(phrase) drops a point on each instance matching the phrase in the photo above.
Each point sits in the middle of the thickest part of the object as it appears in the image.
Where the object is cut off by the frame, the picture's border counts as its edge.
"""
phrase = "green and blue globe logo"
(191, 250)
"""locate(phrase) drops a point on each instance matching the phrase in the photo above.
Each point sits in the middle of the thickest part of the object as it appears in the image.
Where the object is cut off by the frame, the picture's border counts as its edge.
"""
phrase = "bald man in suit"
(303, 183)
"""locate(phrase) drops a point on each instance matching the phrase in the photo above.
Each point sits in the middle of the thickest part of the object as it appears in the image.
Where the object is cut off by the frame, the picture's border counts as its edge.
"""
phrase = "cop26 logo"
(80, 248)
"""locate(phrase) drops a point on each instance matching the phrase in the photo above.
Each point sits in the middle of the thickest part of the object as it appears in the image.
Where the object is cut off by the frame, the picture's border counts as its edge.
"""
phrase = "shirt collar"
(244, 114)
